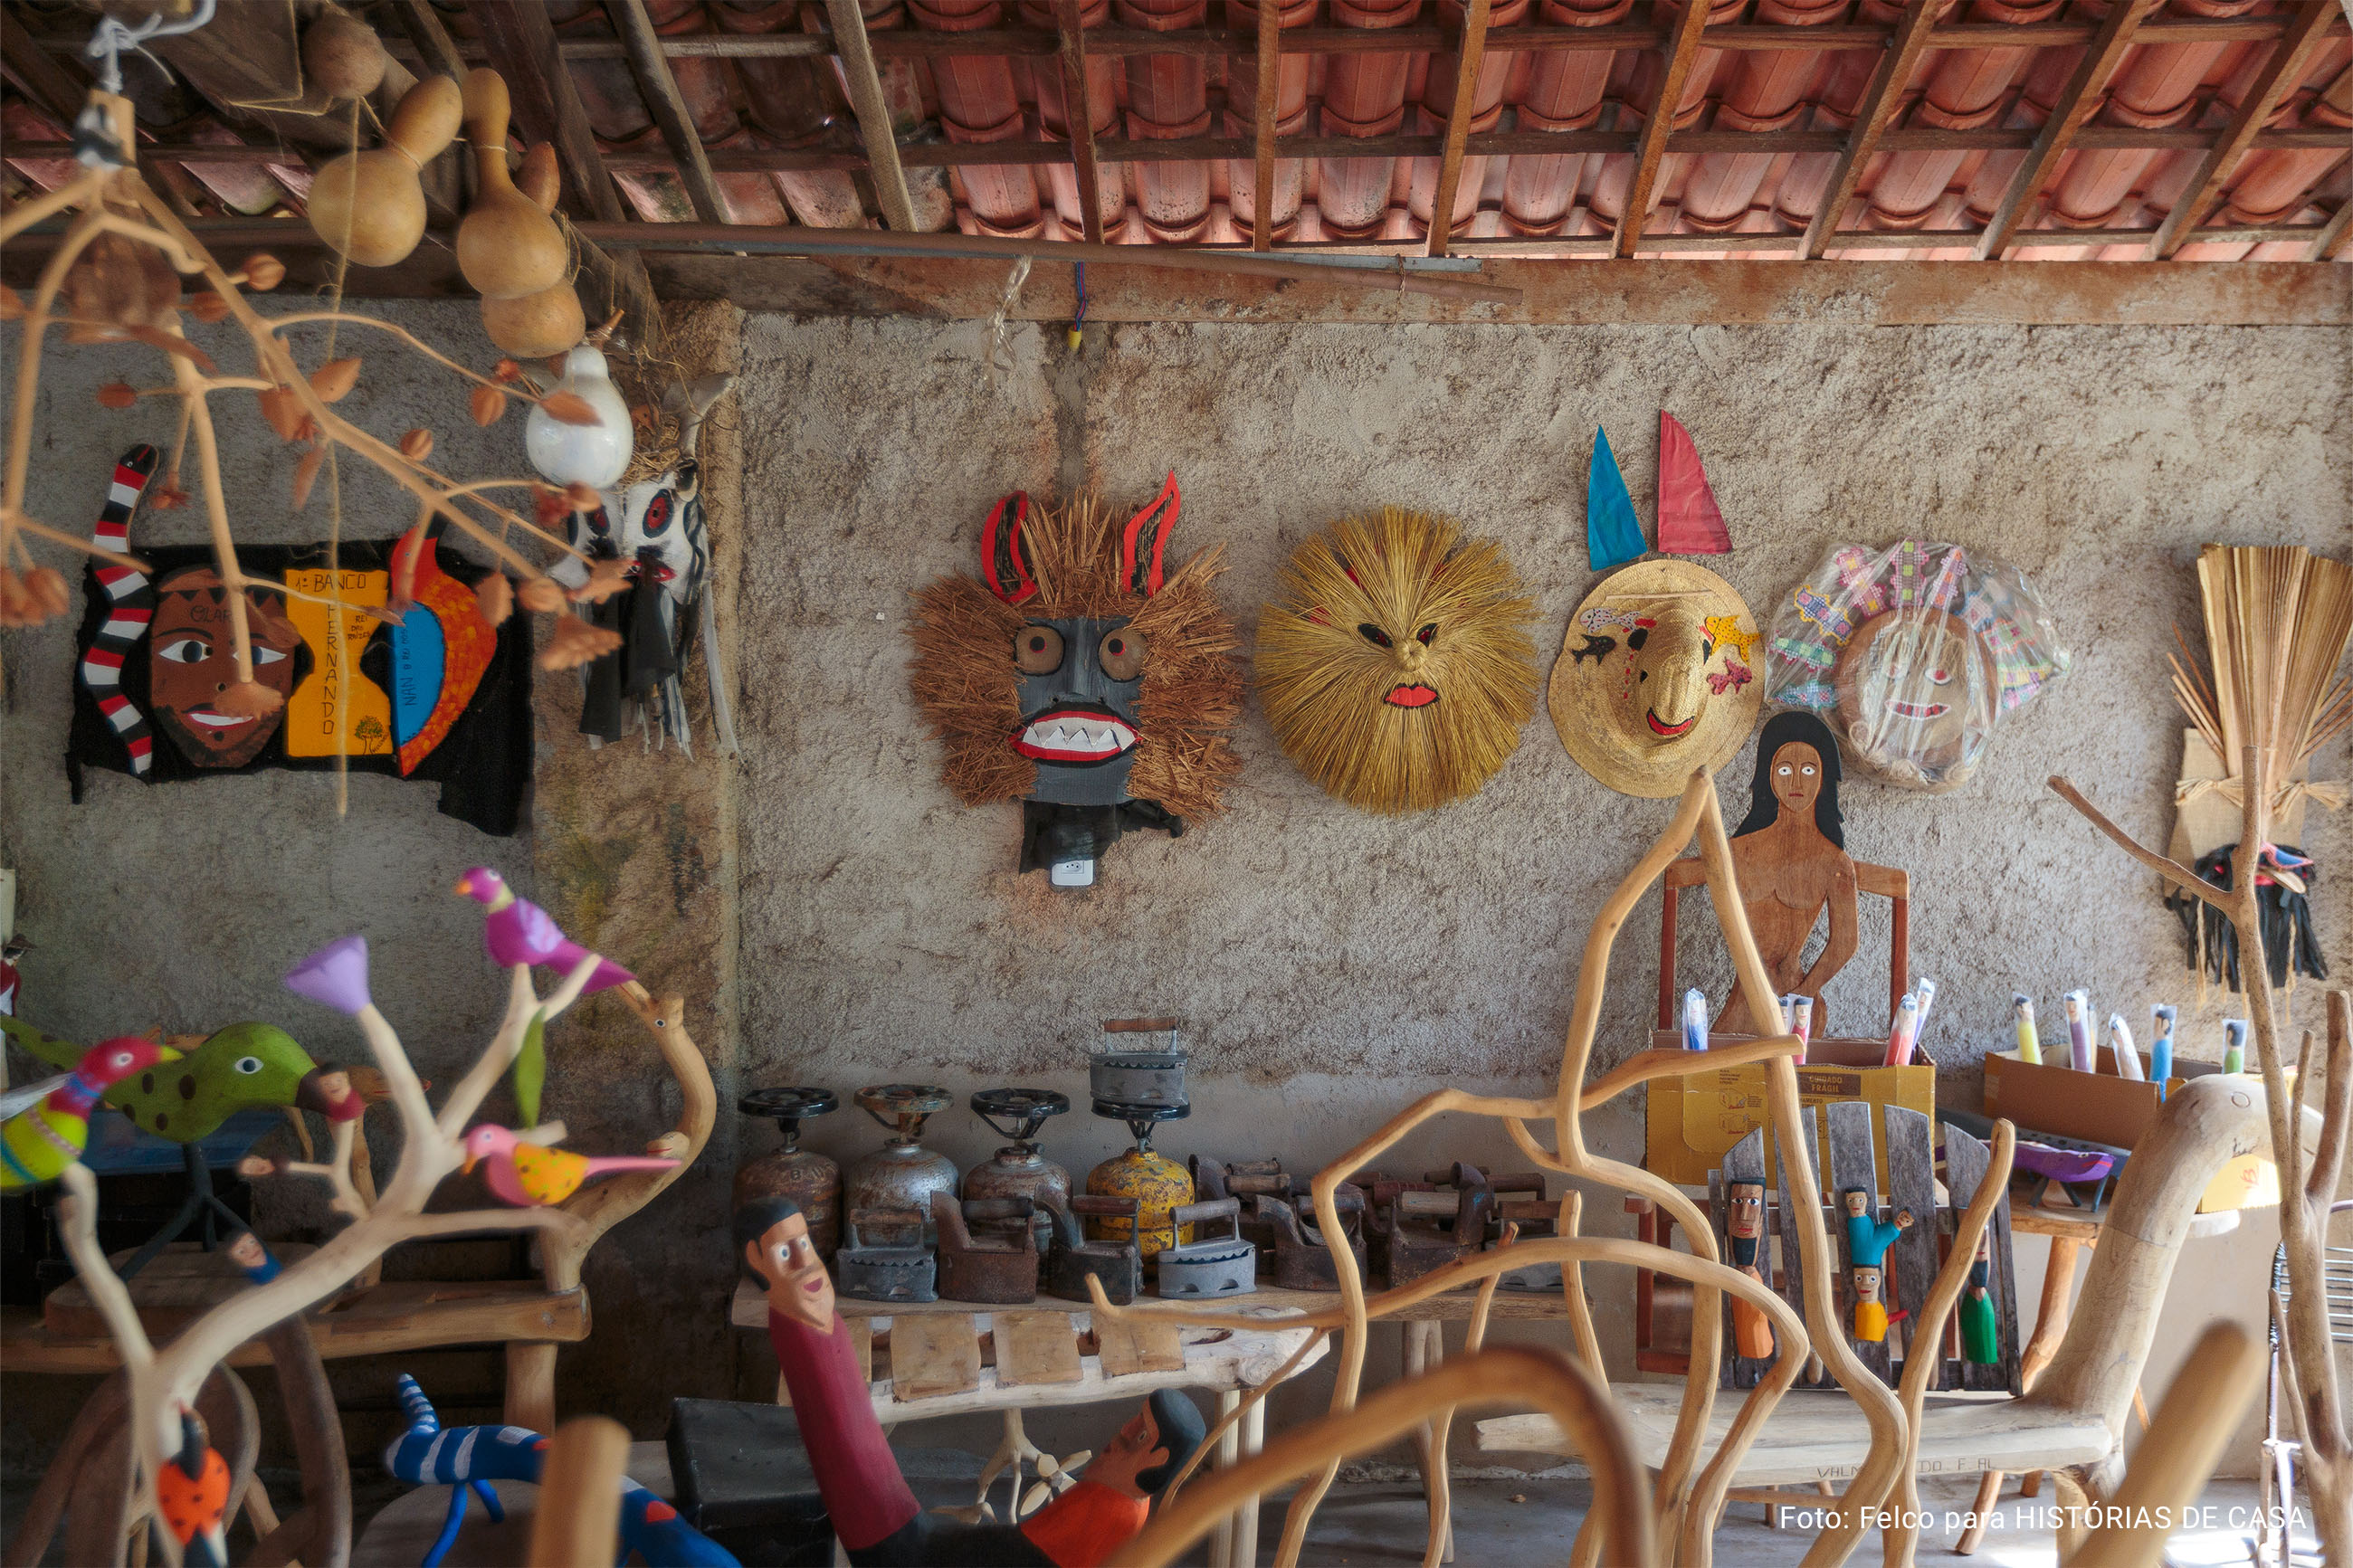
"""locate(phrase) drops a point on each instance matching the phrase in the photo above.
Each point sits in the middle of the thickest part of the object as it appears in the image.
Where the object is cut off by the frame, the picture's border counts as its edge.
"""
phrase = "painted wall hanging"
(1082, 676)
(1656, 677)
(1914, 654)
(1394, 664)
(441, 695)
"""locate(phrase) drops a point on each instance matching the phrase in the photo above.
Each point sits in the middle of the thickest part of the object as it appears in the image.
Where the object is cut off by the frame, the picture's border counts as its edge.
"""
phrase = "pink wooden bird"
(516, 930)
(529, 1174)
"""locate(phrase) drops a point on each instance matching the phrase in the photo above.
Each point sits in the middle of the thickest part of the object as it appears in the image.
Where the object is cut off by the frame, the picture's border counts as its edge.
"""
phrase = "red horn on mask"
(1140, 569)
(1004, 559)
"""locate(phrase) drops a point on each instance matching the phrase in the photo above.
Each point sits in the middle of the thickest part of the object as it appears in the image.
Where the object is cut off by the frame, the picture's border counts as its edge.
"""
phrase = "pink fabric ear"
(1141, 570)
(1004, 561)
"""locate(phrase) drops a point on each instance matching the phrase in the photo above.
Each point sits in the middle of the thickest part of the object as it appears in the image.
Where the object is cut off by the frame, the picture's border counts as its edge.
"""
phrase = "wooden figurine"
(874, 1514)
(192, 1489)
(516, 930)
(1790, 855)
(1867, 1241)
(369, 205)
(39, 1142)
(1744, 1234)
(526, 1174)
(1980, 1334)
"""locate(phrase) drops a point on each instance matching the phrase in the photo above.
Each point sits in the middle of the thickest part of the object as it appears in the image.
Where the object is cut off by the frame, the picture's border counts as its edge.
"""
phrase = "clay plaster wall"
(1333, 965)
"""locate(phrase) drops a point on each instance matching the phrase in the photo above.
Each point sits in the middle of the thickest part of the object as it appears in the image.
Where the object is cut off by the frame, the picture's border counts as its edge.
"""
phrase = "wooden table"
(1208, 1358)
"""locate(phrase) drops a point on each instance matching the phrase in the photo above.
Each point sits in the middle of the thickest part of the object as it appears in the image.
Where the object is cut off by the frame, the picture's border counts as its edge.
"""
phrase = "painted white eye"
(1808, 772)
(185, 651)
(1783, 770)
(267, 655)
(248, 1063)
(119, 1061)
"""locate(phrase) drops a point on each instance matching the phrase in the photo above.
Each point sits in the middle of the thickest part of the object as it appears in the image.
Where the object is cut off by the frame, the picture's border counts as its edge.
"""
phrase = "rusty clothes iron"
(1302, 1256)
(1148, 1073)
(1000, 1267)
(1209, 1265)
(1422, 1232)
(1073, 1259)
(869, 1271)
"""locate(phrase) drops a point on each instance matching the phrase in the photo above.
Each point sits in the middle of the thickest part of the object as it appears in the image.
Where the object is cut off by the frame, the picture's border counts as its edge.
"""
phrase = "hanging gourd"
(595, 454)
(507, 247)
(369, 205)
(342, 56)
(541, 325)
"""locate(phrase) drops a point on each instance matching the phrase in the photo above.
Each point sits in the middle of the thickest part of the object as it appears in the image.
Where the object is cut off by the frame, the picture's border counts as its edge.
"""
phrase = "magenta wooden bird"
(516, 930)
(530, 1175)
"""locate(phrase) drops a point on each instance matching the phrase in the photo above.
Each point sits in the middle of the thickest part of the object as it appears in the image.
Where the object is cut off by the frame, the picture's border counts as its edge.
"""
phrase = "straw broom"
(2277, 622)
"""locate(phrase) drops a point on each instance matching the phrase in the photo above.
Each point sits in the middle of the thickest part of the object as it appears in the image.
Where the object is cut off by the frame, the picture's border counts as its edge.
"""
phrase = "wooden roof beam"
(1078, 113)
(1270, 109)
(1458, 122)
(2087, 88)
(872, 112)
(2331, 239)
(1682, 49)
(659, 88)
(2303, 38)
(1914, 37)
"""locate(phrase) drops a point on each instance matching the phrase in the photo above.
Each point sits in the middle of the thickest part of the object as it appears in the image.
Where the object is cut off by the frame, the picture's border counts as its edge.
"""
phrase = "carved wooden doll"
(1744, 1231)
(1980, 1335)
(1867, 1241)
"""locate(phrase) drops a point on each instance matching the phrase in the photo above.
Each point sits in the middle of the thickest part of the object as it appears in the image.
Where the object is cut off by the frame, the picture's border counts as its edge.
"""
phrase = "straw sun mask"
(1395, 664)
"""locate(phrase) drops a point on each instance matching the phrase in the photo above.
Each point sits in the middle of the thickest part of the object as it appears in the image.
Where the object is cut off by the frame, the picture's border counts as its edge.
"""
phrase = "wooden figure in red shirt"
(874, 1514)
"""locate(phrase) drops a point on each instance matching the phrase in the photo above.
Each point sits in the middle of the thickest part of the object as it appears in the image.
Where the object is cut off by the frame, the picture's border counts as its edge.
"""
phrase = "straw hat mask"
(1657, 677)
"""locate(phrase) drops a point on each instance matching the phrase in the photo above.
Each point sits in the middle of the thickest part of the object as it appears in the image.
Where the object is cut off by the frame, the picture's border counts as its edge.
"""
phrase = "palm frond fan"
(2278, 619)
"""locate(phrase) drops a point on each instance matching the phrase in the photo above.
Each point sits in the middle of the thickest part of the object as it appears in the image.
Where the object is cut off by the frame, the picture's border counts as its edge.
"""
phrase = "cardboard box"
(1695, 1119)
(2101, 1108)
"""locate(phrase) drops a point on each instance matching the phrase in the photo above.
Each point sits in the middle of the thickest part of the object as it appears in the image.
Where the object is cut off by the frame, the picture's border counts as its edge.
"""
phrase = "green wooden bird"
(235, 1069)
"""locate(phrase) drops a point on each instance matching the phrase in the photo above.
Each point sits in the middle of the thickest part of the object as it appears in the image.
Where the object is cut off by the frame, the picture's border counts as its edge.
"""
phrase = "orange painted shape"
(549, 1175)
(467, 640)
(194, 1505)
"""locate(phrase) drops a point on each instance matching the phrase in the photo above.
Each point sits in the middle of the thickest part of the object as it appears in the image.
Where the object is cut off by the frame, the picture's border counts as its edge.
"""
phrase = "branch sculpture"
(118, 264)
(162, 1382)
(1686, 1508)
(2309, 1176)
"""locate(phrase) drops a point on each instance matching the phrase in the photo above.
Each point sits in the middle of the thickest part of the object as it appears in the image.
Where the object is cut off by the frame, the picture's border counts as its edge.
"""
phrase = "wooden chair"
(2072, 1423)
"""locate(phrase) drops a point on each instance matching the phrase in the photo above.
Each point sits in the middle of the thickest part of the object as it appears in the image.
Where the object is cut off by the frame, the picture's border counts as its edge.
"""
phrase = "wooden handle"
(426, 119)
(1141, 1025)
(578, 1522)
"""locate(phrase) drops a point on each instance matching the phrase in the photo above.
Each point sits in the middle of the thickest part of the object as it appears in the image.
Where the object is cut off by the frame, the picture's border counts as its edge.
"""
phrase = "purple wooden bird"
(516, 930)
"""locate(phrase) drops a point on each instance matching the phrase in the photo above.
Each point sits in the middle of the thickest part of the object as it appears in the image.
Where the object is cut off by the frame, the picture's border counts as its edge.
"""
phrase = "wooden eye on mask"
(1037, 650)
(1121, 654)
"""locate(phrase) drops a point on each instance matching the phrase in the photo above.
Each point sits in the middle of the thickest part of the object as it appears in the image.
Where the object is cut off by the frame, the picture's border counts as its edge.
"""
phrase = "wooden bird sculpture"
(235, 1069)
(37, 1143)
(516, 930)
(528, 1174)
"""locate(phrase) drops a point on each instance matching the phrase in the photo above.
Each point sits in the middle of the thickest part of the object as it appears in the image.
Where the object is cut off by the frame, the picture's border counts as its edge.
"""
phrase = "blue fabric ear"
(1612, 536)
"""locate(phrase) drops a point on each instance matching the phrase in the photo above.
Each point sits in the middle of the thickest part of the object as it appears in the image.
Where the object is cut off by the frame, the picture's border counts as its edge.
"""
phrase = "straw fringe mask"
(1395, 665)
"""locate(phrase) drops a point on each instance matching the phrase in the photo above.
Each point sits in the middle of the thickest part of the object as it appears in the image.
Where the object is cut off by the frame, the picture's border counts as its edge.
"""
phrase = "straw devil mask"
(1081, 677)
(1396, 667)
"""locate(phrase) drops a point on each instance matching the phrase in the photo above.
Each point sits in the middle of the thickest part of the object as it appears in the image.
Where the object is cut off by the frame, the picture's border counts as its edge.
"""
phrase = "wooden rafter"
(2331, 239)
(1269, 108)
(437, 52)
(57, 86)
(2304, 36)
(1888, 81)
(1079, 114)
(2087, 88)
(1458, 122)
(1682, 48)
(873, 112)
(651, 69)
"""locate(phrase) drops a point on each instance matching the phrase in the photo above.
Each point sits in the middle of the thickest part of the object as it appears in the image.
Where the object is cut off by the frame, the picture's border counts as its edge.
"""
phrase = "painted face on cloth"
(1906, 687)
(1395, 663)
(192, 660)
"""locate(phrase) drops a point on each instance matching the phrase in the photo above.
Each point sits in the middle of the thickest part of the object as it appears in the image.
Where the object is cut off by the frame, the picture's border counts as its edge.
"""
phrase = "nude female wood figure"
(1790, 855)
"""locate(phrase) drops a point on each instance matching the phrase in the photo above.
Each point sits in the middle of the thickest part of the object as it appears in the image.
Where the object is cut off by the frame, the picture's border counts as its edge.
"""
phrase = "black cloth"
(482, 764)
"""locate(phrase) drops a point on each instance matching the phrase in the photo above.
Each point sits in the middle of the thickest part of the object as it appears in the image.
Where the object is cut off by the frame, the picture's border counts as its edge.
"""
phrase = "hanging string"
(339, 631)
(999, 360)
